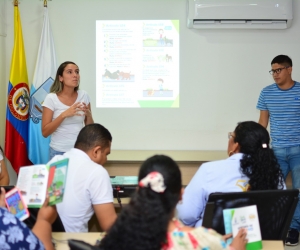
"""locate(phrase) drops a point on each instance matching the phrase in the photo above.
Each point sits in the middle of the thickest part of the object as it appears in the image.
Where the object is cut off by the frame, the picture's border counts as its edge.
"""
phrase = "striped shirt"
(284, 112)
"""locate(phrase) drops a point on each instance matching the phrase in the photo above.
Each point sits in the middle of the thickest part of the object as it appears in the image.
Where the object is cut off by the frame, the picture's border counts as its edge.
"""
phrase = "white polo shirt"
(87, 184)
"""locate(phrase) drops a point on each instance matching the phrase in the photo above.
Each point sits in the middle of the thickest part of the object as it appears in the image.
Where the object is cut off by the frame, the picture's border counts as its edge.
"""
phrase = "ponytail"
(259, 163)
(143, 223)
(263, 170)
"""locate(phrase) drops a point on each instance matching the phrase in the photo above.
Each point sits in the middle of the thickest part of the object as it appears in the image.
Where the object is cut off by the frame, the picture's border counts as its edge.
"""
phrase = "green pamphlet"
(37, 181)
(244, 217)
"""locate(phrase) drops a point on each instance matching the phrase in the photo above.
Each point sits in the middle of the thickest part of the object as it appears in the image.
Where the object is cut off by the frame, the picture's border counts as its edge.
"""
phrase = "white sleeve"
(48, 102)
(99, 187)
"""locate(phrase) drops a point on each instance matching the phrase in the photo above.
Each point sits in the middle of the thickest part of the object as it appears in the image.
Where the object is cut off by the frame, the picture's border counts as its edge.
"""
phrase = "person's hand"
(2, 198)
(77, 109)
(226, 236)
(86, 110)
(239, 242)
(47, 213)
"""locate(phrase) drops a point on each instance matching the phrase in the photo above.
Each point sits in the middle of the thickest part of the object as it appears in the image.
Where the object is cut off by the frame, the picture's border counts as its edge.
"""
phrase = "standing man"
(280, 103)
(88, 188)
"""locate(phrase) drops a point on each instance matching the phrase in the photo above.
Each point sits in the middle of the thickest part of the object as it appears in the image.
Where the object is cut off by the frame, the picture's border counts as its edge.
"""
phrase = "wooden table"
(61, 240)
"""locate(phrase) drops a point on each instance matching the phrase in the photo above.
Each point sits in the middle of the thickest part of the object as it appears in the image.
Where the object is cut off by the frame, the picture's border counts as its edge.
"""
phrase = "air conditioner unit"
(239, 14)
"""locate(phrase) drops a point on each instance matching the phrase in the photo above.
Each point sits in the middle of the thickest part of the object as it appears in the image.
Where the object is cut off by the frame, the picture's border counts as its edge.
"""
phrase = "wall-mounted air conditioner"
(239, 14)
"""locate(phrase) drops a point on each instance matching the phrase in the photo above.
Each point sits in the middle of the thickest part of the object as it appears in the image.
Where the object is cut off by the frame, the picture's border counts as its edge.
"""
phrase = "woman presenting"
(66, 109)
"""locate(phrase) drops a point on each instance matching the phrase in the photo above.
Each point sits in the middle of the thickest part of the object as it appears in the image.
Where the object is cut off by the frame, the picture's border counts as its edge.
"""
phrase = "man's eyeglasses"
(230, 135)
(277, 71)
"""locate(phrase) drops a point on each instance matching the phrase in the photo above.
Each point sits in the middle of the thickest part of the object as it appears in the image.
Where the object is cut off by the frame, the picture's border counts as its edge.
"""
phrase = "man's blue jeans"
(289, 160)
(53, 152)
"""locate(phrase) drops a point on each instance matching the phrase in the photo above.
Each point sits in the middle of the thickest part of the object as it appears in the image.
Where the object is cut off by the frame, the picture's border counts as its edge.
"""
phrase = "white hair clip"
(155, 180)
(264, 145)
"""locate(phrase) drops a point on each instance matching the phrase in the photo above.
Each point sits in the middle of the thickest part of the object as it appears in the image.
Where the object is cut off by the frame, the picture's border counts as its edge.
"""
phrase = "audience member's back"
(251, 166)
(147, 223)
(88, 188)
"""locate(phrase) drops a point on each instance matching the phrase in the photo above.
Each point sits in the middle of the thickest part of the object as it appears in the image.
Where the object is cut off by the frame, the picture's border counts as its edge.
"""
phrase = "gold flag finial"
(45, 3)
(16, 2)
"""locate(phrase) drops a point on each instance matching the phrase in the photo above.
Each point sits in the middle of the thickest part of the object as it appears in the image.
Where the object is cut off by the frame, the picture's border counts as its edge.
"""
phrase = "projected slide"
(137, 64)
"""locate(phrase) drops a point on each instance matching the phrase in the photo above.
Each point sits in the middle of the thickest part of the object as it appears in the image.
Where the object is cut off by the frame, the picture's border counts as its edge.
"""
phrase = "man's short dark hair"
(283, 60)
(91, 136)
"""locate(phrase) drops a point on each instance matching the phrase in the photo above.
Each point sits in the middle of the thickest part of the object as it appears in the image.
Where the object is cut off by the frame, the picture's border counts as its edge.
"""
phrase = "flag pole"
(16, 2)
(45, 3)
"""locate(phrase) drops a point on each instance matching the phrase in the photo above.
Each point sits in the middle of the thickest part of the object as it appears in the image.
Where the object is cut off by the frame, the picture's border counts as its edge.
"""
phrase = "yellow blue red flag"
(16, 134)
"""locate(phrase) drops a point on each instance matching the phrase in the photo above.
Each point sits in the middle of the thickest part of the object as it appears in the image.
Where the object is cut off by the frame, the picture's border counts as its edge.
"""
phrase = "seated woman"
(4, 176)
(14, 234)
(251, 166)
(148, 222)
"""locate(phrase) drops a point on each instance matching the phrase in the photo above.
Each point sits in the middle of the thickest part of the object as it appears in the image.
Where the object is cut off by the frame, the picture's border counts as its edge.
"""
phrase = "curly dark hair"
(143, 223)
(258, 163)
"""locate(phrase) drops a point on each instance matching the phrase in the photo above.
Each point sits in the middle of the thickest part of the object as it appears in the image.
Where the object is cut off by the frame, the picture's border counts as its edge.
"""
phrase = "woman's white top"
(64, 137)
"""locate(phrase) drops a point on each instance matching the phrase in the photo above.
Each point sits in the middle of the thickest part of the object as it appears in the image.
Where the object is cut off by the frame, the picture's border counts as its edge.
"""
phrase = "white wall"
(221, 71)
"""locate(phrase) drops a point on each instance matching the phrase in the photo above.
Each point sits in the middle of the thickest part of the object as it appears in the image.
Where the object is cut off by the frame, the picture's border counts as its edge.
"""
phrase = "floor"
(292, 248)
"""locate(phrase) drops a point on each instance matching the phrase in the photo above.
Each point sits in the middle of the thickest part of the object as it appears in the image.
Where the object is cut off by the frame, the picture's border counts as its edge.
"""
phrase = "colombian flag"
(16, 135)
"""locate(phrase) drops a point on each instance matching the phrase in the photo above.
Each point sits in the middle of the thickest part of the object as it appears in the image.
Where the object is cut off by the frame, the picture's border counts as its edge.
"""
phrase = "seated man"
(88, 188)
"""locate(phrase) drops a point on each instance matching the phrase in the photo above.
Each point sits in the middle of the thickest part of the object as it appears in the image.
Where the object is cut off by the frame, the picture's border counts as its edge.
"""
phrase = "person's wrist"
(3, 205)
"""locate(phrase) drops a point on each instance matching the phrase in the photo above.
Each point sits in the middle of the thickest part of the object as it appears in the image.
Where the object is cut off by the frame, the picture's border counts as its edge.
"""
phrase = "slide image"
(137, 63)
(117, 76)
(163, 42)
(164, 58)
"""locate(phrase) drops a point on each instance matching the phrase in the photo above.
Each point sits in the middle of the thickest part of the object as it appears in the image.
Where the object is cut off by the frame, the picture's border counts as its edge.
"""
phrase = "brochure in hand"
(37, 181)
(244, 217)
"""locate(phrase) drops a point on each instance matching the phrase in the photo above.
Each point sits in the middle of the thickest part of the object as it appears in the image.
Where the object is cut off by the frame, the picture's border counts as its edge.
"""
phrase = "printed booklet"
(36, 181)
(244, 217)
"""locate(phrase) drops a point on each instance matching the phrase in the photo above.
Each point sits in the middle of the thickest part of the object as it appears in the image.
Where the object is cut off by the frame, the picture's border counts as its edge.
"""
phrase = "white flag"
(44, 75)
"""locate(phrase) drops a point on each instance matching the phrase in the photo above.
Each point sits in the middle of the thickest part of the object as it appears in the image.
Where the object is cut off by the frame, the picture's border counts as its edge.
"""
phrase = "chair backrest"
(275, 210)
